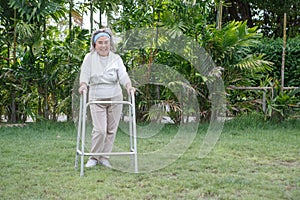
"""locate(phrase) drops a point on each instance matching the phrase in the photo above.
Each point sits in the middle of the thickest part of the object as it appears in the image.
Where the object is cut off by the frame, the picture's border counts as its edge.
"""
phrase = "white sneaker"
(91, 163)
(105, 163)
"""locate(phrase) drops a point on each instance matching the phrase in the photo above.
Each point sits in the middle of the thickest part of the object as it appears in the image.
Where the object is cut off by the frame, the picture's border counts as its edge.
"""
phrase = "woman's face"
(102, 46)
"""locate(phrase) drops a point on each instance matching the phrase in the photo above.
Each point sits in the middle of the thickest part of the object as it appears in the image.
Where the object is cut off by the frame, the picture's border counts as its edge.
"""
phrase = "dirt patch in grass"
(12, 125)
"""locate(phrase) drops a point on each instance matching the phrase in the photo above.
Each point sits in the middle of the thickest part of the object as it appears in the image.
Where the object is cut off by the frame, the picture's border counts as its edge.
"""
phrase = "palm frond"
(24, 29)
(254, 63)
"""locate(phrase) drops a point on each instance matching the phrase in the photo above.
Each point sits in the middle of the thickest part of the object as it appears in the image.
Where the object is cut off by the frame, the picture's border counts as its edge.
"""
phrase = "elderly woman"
(103, 71)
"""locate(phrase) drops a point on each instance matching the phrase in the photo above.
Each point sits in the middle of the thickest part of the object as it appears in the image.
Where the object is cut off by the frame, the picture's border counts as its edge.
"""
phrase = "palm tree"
(230, 48)
(30, 27)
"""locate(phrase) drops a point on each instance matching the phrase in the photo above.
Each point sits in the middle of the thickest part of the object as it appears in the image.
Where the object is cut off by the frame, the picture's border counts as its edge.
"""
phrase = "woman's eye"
(105, 42)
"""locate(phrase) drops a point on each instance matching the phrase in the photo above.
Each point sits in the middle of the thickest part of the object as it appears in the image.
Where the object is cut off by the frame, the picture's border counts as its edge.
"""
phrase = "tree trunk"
(283, 53)
(69, 110)
(13, 94)
(219, 17)
(13, 108)
(91, 15)
(46, 108)
(55, 103)
(40, 112)
(100, 18)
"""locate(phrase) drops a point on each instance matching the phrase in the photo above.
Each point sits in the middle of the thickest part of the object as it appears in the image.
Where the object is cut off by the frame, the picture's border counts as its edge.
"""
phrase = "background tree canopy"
(43, 42)
(266, 14)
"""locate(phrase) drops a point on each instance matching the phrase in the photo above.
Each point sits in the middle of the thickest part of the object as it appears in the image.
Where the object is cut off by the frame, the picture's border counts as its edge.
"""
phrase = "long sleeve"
(85, 70)
(122, 73)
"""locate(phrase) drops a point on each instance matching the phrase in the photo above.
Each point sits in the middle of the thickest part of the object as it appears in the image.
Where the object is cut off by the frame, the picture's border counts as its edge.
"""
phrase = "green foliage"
(272, 48)
(37, 11)
(177, 17)
(268, 15)
(230, 48)
(279, 106)
(47, 70)
(283, 105)
(39, 82)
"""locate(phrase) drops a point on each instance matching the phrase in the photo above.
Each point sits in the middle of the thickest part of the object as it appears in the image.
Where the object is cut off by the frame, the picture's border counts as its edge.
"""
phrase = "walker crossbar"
(107, 154)
(82, 126)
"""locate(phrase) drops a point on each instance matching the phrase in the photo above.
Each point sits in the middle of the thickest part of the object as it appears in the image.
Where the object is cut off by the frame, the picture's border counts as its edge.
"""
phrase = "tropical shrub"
(272, 48)
(230, 48)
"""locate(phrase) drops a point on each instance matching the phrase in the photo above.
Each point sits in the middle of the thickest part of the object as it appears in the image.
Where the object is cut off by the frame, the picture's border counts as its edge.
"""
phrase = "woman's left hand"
(129, 88)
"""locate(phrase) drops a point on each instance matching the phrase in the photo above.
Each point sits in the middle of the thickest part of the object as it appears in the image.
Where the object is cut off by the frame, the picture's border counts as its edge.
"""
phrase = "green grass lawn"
(252, 160)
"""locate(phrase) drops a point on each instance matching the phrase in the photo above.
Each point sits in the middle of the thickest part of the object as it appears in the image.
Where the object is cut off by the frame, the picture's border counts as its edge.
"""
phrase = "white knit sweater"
(103, 75)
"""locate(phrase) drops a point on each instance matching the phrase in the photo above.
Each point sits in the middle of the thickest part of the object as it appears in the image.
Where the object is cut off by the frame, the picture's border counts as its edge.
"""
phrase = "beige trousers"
(105, 118)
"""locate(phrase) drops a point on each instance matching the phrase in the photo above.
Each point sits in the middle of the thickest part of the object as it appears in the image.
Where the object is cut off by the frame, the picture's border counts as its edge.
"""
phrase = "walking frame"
(82, 126)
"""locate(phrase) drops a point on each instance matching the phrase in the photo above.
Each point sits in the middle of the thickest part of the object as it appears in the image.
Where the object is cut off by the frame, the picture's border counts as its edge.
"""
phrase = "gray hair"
(106, 30)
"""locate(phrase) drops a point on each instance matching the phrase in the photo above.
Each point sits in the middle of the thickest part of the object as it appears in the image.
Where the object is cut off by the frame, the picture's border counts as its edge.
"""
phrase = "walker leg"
(76, 161)
(134, 133)
(78, 132)
(82, 166)
(83, 134)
